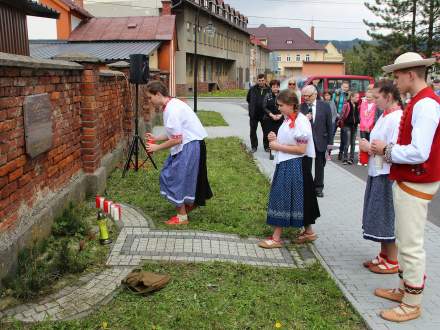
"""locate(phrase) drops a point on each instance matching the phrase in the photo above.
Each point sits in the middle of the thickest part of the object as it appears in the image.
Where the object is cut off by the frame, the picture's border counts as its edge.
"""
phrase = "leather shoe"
(319, 194)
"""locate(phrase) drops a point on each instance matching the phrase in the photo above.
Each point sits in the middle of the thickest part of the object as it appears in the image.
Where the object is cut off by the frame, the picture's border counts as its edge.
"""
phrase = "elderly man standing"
(415, 160)
(320, 116)
(255, 98)
(340, 97)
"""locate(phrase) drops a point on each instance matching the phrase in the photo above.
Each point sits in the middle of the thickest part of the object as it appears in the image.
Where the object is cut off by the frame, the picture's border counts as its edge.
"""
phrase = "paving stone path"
(138, 241)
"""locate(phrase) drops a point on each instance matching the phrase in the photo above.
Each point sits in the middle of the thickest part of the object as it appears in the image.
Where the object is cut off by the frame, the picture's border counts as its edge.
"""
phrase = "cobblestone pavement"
(138, 241)
(340, 247)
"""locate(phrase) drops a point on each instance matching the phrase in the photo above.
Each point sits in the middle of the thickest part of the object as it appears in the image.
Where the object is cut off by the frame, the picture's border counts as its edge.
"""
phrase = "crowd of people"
(399, 142)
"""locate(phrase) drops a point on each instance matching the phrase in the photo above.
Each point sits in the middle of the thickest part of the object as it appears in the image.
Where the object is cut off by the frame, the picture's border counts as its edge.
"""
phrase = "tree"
(400, 18)
(431, 24)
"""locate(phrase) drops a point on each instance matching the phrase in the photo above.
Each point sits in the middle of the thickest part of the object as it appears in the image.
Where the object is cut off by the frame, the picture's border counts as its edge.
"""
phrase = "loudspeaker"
(139, 69)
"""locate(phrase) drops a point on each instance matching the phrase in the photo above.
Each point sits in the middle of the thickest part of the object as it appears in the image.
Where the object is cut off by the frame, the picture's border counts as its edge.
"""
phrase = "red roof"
(277, 38)
(125, 28)
(256, 41)
(75, 8)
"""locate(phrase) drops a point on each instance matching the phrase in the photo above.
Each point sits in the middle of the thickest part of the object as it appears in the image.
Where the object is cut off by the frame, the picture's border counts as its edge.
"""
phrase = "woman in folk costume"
(292, 200)
(378, 215)
(183, 179)
(415, 164)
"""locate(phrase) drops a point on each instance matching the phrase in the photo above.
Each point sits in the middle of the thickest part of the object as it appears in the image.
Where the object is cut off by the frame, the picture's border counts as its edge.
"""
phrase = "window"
(278, 58)
(288, 59)
(289, 42)
(359, 85)
(298, 57)
(307, 57)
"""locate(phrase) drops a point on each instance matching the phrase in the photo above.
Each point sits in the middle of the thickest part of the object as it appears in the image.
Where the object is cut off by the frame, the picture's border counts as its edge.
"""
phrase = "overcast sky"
(333, 19)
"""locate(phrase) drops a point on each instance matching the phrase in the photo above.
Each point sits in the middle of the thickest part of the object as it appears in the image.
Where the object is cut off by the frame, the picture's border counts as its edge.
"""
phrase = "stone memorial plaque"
(37, 124)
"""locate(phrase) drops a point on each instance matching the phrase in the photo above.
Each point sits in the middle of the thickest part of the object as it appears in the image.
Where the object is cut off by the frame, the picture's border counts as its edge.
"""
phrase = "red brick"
(16, 174)
(3, 181)
(9, 222)
(24, 180)
(9, 102)
(9, 167)
(9, 189)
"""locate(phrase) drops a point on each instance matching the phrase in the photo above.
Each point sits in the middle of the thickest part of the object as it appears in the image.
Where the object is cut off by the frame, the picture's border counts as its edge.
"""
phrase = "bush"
(71, 222)
(40, 265)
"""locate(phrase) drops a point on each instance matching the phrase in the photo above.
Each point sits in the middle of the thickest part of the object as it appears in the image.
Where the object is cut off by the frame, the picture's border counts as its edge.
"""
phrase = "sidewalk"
(340, 246)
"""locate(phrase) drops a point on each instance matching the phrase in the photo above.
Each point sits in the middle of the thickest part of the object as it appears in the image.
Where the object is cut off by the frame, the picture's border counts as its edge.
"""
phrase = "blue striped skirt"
(178, 178)
(378, 215)
(286, 200)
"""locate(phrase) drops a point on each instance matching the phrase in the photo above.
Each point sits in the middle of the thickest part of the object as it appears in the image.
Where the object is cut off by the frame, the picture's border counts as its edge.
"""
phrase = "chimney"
(312, 33)
(166, 7)
(79, 3)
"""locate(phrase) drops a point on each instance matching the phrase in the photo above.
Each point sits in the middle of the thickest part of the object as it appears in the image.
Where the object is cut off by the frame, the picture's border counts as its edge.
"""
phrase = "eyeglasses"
(292, 84)
(305, 95)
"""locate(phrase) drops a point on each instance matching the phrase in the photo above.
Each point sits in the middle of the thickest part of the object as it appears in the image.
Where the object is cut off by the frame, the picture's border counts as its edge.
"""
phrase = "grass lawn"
(226, 93)
(227, 296)
(211, 118)
(207, 118)
(218, 295)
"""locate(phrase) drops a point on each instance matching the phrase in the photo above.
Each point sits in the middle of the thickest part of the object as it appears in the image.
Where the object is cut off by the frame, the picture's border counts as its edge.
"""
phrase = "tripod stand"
(134, 145)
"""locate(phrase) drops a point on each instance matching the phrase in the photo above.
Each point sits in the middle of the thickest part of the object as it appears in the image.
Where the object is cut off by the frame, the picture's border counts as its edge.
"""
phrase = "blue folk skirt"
(178, 178)
(378, 214)
(286, 200)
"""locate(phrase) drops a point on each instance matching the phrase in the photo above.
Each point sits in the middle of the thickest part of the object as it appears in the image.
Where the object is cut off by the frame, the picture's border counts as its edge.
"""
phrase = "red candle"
(107, 205)
(100, 202)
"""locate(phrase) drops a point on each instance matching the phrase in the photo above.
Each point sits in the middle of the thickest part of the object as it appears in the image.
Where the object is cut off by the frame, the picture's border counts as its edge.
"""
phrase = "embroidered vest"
(428, 171)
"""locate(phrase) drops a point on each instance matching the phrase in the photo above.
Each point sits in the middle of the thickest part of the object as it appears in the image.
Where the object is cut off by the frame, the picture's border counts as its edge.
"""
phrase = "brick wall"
(22, 178)
(91, 116)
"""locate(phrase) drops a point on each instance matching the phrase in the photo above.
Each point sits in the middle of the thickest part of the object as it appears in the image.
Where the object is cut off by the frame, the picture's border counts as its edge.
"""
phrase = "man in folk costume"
(415, 160)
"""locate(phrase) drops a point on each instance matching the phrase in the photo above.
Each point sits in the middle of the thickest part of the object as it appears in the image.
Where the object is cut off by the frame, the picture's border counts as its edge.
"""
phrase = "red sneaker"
(174, 220)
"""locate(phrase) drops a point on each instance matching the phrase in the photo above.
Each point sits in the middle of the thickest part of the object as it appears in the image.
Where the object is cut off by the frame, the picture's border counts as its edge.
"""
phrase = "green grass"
(226, 93)
(211, 118)
(226, 296)
(240, 192)
(207, 118)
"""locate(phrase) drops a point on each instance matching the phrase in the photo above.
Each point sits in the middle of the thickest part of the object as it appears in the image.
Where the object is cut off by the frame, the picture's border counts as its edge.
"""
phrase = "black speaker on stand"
(139, 74)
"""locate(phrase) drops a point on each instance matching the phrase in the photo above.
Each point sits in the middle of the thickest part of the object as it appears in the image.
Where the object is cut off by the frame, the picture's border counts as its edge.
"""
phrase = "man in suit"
(320, 116)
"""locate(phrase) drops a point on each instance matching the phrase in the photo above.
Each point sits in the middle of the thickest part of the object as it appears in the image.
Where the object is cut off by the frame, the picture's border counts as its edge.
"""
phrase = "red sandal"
(175, 221)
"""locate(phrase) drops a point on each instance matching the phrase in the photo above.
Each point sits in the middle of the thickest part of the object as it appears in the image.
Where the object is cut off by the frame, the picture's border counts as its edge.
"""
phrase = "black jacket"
(270, 104)
(255, 98)
(322, 127)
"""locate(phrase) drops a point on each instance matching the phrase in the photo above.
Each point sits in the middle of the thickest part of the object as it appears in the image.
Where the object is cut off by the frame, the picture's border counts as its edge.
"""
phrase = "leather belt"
(414, 192)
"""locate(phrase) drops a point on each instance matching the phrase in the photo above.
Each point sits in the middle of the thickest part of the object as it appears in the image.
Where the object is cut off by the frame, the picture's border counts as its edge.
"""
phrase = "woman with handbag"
(378, 214)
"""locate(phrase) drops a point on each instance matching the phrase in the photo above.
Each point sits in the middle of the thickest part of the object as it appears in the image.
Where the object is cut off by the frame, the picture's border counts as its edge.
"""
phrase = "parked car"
(331, 83)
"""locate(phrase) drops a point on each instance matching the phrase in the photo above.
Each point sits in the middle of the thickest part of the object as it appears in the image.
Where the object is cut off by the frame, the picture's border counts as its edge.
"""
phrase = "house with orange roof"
(72, 13)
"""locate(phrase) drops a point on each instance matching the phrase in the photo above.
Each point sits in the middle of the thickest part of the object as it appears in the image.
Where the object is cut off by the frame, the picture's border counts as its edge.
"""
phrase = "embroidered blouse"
(386, 129)
(301, 133)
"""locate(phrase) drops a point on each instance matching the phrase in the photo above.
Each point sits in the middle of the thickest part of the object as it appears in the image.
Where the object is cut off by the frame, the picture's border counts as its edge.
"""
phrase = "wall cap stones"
(77, 57)
(110, 73)
(12, 60)
(119, 65)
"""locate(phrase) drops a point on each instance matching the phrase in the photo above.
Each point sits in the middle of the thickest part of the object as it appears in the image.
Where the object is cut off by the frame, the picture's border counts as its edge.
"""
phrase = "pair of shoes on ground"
(347, 162)
(302, 238)
(381, 265)
(400, 313)
(175, 221)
